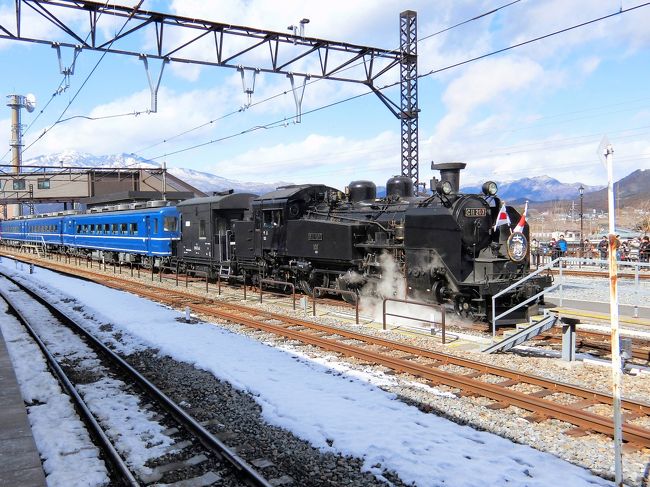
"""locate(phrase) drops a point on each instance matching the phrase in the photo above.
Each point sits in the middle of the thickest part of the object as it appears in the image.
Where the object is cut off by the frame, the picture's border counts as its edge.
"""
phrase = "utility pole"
(16, 103)
(613, 310)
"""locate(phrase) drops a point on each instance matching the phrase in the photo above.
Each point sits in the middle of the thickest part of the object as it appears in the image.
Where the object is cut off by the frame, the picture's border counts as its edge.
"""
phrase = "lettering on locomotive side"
(315, 237)
(475, 212)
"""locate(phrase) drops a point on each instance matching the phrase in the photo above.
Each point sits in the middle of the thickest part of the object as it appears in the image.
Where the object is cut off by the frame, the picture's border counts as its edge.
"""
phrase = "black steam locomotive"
(442, 248)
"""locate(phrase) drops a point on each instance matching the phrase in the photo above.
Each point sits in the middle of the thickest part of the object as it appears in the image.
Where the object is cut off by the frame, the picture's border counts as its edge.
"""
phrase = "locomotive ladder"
(224, 270)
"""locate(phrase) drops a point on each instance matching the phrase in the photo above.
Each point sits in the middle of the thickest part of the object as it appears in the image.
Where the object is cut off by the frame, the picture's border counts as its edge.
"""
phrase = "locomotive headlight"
(489, 188)
(444, 187)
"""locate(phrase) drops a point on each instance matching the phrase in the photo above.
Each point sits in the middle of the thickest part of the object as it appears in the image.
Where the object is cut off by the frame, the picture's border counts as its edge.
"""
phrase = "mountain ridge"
(206, 182)
(541, 190)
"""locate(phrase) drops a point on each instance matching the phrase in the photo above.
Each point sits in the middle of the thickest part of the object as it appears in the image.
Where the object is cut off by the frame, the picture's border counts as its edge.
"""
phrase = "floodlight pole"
(613, 310)
(581, 189)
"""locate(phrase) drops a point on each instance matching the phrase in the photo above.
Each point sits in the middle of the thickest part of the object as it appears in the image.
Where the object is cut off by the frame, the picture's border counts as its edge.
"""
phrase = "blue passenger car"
(12, 231)
(148, 232)
(45, 230)
(139, 235)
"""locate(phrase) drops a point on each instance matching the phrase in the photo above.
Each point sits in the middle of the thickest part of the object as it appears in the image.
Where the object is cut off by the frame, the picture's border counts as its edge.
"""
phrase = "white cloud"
(176, 112)
(482, 83)
(336, 160)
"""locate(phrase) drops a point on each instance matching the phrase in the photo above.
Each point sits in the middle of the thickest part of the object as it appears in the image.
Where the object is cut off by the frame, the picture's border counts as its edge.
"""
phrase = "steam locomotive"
(442, 248)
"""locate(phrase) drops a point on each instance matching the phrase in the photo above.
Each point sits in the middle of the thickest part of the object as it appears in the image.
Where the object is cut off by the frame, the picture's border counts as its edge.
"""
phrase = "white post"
(613, 309)
(164, 181)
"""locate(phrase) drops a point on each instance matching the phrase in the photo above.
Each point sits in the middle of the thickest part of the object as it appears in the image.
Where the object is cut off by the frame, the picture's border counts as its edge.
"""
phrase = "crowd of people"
(632, 250)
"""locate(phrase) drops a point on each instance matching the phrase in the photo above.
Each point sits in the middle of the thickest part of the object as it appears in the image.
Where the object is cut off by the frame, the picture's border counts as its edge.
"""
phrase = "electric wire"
(309, 83)
(427, 74)
(92, 71)
(59, 90)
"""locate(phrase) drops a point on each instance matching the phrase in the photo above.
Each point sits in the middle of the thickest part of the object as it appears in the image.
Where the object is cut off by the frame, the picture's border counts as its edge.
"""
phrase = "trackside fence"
(278, 283)
(316, 292)
(435, 307)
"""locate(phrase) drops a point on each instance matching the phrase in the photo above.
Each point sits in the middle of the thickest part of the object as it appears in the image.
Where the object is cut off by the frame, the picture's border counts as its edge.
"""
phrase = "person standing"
(534, 251)
(562, 247)
(644, 249)
(587, 250)
(603, 250)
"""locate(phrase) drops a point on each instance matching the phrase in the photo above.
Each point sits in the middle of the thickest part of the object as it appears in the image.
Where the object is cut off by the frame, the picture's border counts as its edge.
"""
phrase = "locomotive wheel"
(438, 290)
(463, 307)
(343, 285)
(318, 280)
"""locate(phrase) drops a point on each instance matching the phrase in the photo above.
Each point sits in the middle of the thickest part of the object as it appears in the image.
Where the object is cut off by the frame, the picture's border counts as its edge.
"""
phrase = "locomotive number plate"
(314, 237)
(475, 212)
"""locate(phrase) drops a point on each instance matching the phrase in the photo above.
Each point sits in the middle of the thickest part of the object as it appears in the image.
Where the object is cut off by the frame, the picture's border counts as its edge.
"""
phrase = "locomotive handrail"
(417, 303)
(283, 283)
(335, 291)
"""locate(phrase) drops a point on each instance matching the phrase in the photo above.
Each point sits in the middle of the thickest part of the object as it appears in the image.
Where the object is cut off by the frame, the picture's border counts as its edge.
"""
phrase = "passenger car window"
(169, 224)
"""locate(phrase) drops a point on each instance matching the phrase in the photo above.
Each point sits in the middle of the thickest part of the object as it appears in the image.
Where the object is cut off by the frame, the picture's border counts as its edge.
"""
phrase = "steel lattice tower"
(409, 94)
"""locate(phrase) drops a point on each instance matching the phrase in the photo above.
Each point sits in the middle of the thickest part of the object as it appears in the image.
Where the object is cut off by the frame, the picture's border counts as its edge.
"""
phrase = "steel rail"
(499, 393)
(574, 416)
(114, 458)
(184, 299)
(207, 439)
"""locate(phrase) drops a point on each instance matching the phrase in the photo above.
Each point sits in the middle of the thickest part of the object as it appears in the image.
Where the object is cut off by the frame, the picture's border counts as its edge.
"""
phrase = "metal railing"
(515, 285)
(341, 292)
(437, 307)
(278, 283)
(560, 264)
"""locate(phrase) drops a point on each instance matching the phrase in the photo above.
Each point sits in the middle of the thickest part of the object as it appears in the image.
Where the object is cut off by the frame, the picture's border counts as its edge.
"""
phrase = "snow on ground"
(69, 457)
(331, 409)
(116, 409)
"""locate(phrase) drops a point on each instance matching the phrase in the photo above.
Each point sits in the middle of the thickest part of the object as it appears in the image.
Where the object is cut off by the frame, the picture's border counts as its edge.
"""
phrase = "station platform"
(20, 464)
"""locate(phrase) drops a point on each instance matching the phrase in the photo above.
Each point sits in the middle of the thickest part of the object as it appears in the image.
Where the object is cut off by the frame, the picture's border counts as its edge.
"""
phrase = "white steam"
(392, 284)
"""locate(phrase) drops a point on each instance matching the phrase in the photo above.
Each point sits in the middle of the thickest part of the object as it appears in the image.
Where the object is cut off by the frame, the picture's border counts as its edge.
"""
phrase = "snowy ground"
(321, 403)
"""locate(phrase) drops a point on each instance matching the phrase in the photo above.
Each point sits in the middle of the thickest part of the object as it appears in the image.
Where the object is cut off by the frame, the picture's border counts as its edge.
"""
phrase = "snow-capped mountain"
(539, 188)
(73, 158)
(204, 181)
(207, 182)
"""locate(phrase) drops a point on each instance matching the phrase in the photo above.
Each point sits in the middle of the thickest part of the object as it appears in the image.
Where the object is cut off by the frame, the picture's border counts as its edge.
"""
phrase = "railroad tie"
(536, 417)
(582, 404)
(577, 432)
(542, 393)
(498, 405)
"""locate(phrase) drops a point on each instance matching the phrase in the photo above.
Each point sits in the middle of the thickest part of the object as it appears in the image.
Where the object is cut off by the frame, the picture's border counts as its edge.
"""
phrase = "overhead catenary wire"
(427, 74)
(58, 90)
(309, 83)
(92, 71)
(61, 120)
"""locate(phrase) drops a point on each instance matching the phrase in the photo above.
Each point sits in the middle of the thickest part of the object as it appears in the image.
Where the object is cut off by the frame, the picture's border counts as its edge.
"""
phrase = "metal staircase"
(523, 335)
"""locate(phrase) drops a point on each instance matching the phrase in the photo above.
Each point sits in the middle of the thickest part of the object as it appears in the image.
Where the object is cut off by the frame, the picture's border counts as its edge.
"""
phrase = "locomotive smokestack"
(450, 171)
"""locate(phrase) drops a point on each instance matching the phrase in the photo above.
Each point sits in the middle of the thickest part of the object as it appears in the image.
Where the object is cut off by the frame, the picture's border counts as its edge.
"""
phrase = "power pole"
(16, 103)
(409, 94)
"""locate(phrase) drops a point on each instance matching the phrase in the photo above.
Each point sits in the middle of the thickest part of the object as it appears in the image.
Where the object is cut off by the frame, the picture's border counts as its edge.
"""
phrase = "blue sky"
(538, 109)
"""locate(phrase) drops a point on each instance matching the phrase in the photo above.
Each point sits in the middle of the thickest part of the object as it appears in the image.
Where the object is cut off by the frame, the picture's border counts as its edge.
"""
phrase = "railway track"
(179, 448)
(623, 272)
(545, 399)
(599, 342)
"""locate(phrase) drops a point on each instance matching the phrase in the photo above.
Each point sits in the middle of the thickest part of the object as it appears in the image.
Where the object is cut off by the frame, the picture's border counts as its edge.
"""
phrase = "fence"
(437, 307)
(278, 283)
(316, 291)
